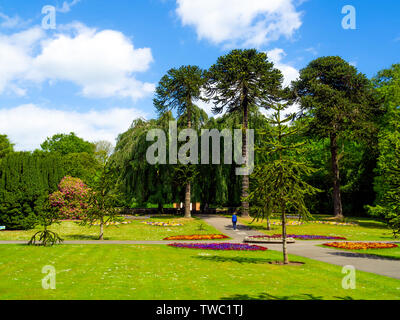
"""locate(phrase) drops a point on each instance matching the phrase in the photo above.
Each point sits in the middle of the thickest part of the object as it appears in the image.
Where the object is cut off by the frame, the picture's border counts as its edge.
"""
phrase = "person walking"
(234, 221)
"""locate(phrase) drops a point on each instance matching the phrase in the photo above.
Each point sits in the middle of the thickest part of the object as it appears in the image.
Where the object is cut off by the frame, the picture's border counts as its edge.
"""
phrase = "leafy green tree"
(6, 147)
(279, 184)
(104, 201)
(86, 166)
(66, 144)
(387, 181)
(339, 101)
(239, 81)
(103, 151)
(178, 90)
(139, 181)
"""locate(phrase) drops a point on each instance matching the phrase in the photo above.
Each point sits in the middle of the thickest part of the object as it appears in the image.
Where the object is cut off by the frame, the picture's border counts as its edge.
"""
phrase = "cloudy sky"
(96, 71)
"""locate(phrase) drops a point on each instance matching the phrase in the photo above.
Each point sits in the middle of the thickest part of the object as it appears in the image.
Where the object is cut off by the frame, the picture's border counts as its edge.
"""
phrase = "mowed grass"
(159, 272)
(135, 231)
(367, 230)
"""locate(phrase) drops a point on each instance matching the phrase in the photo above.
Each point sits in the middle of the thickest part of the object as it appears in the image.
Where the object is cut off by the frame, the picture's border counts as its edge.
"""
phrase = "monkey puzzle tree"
(178, 90)
(279, 184)
(48, 216)
(104, 201)
(241, 80)
(337, 99)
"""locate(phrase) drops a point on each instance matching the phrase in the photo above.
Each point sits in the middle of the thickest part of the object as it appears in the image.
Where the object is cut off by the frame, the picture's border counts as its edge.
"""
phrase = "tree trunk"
(268, 224)
(337, 199)
(284, 237)
(188, 187)
(160, 208)
(245, 180)
(187, 201)
(101, 229)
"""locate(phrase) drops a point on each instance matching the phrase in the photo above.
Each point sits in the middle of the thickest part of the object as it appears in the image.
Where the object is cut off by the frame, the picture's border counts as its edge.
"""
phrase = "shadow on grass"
(364, 255)
(240, 260)
(83, 237)
(267, 296)
(372, 224)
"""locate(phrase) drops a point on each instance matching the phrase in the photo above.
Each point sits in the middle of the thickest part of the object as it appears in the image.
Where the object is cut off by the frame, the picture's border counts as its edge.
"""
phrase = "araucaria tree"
(339, 101)
(239, 81)
(279, 183)
(104, 201)
(178, 90)
(46, 218)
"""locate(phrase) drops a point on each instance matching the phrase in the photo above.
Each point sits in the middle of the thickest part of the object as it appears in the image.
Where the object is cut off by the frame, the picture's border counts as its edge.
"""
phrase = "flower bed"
(218, 246)
(300, 237)
(350, 224)
(267, 239)
(111, 223)
(361, 245)
(162, 224)
(289, 223)
(198, 237)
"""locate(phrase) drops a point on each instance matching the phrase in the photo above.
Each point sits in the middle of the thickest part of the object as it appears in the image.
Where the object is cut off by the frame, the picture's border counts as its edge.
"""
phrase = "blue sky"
(96, 71)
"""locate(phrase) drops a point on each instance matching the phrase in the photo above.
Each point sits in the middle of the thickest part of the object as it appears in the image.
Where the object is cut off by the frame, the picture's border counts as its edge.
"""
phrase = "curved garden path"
(310, 249)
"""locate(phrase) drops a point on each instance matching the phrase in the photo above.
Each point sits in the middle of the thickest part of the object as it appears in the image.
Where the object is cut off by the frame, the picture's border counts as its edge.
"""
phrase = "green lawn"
(161, 272)
(368, 229)
(134, 231)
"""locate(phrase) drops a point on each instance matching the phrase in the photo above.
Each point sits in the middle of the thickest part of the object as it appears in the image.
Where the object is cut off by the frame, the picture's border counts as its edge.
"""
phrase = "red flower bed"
(198, 237)
(218, 246)
(361, 245)
(300, 237)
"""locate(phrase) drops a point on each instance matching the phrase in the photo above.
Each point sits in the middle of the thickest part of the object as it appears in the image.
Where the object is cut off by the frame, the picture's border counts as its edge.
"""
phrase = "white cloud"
(66, 7)
(101, 63)
(289, 73)
(11, 22)
(29, 125)
(15, 56)
(238, 22)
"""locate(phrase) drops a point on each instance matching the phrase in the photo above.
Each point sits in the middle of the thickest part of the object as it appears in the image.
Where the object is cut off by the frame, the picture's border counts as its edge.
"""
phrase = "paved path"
(310, 249)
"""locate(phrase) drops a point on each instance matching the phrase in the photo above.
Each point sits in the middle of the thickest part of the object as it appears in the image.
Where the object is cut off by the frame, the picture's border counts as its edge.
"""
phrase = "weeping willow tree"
(278, 184)
(141, 182)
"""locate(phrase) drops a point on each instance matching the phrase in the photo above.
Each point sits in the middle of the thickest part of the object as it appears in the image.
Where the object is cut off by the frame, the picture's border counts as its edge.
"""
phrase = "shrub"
(26, 180)
(71, 199)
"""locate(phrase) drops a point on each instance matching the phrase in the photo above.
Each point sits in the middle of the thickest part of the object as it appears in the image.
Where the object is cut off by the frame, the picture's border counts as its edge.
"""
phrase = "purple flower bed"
(300, 237)
(218, 246)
